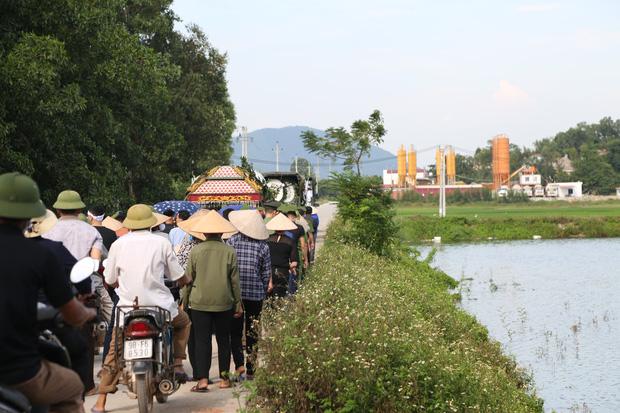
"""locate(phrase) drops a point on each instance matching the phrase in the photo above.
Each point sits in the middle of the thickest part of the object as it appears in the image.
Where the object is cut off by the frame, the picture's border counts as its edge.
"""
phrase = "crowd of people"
(226, 262)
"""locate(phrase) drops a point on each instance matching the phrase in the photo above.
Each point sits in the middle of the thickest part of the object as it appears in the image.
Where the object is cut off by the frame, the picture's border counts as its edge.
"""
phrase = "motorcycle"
(146, 354)
(50, 347)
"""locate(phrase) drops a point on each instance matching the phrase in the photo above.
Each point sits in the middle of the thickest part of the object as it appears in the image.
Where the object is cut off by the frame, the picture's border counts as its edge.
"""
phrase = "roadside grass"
(529, 209)
(375, 334)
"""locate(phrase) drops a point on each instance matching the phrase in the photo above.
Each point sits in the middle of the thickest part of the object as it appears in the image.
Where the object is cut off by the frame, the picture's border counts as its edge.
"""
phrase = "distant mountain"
(261, 152)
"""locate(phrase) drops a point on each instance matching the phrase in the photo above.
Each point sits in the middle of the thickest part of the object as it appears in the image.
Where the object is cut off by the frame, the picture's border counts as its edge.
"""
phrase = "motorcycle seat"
(15, 399)
(158, 317)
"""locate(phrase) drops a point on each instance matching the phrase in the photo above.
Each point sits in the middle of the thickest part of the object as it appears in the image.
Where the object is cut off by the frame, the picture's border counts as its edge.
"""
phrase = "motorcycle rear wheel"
(143, 391)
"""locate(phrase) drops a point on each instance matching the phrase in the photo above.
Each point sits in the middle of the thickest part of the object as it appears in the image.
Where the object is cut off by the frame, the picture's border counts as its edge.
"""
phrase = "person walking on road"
(136, 266)
(214, 297)
(254, 261)
(283, 254)
(82, 240)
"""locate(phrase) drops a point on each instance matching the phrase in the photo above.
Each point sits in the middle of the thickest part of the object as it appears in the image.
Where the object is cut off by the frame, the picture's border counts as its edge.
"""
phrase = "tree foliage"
(303, 167)
(367, 212)
(349, 146)
(108, 99)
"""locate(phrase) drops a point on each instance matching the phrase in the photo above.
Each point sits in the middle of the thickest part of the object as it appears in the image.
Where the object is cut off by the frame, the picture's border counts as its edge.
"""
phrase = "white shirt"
(138, 261)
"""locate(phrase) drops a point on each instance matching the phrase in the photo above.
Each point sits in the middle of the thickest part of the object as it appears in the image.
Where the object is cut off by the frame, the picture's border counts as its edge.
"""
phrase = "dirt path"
(216, 400)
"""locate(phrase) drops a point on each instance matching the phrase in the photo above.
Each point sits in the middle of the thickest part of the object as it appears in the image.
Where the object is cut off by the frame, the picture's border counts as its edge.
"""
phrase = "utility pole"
(317, 172)
(442, 185)
(296, 170)
(277, 151)
(243, 139)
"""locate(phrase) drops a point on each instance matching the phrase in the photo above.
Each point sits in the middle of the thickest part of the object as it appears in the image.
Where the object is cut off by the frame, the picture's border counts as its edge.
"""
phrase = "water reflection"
(554, 305)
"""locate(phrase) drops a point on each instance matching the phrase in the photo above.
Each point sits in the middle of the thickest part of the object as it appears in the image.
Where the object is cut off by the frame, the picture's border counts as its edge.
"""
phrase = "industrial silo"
(501, 160)
(412, 166)
(439, 164)
(450, 166)
(401, 157)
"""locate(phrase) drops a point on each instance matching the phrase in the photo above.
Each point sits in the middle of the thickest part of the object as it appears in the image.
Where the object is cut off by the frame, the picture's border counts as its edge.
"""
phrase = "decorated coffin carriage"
(225, 185)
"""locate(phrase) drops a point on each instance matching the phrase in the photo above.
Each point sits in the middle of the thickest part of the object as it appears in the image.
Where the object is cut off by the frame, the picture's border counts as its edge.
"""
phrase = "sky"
(441, 72)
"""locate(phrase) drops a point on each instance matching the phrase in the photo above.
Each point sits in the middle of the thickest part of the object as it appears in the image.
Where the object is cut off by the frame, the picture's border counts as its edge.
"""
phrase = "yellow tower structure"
(412, 166)
(450, 166)
(401, 157)
(439, 154)
(500, 150)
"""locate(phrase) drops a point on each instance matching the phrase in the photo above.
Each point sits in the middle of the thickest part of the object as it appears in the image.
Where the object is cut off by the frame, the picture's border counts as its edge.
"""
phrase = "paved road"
(216, 400)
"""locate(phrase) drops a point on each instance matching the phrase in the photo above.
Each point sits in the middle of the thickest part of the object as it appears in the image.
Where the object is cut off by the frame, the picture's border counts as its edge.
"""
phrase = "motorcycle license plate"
(138, 349)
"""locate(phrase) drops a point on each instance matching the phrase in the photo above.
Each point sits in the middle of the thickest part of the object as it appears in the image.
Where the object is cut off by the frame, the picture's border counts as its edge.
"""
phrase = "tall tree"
(108, 99)
(303, 167)
(350, 146)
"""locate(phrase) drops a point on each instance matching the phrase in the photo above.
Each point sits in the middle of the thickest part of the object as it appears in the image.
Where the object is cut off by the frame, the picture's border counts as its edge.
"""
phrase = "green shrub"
(366, 213)
(420, 229)
(371, 334)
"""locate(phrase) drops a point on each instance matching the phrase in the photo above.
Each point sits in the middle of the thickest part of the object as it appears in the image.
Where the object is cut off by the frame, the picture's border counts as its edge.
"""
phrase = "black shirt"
(26, 267)
(108, 236)
(282, 249)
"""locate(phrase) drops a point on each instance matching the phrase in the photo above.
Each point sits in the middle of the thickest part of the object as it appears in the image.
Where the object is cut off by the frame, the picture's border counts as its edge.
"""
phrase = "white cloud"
(537, 8)
(509, 93)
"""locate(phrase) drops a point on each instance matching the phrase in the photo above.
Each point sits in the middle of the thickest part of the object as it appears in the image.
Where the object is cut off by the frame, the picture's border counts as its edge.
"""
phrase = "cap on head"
(69, 201)
(140, 216)
(19, 197)
(272, 205)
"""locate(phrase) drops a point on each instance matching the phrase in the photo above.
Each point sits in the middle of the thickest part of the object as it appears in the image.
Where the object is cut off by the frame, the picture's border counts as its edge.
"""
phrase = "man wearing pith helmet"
(136, 266)
(27, 268)
(82, 240)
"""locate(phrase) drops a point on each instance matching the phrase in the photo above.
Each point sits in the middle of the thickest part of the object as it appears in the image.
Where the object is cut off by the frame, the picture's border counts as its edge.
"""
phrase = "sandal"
(197, 389)
(181, 377)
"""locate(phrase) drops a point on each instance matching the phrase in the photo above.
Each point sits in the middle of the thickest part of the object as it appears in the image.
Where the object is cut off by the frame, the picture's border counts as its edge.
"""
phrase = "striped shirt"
(254, 261)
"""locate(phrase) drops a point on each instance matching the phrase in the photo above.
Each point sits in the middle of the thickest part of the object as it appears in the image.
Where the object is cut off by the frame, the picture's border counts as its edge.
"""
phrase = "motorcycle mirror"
(83, 269)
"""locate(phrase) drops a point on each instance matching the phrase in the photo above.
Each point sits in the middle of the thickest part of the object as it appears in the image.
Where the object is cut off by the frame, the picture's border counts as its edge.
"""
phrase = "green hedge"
(419, 229)
(367, 334)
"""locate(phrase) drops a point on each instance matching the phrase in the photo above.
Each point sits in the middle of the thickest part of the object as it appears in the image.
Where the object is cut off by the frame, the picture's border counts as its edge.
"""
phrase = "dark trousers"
(281, 282)
(81, 355)
(252, 310)
(202, 330)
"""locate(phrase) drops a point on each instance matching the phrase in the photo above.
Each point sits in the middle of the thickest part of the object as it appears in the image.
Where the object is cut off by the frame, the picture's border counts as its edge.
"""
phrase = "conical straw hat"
(249, 223)
(281, 223)
(211, 223)
(161, 218)
(41, 225)
(112, 224)
(185, 224)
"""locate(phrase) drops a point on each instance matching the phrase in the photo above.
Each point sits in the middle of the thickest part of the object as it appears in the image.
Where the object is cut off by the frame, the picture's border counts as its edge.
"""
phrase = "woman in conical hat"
(214, 298)
(283, 251)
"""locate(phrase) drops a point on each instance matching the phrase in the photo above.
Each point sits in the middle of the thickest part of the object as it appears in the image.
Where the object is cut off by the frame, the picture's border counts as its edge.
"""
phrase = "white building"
(390, 176)
(568, 189)
(530, 179)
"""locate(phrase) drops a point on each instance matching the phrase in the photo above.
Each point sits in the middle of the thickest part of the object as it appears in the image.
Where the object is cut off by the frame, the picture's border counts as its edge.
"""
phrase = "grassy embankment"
(483, 221)
(374, 334)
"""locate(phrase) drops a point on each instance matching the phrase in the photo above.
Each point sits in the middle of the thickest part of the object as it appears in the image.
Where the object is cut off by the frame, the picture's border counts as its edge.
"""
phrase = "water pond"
(554, 306)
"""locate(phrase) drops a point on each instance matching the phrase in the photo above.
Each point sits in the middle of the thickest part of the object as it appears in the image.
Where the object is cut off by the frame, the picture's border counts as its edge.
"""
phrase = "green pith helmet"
(69, 201)
(140, 216)
(288, 208)
(19, 197)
